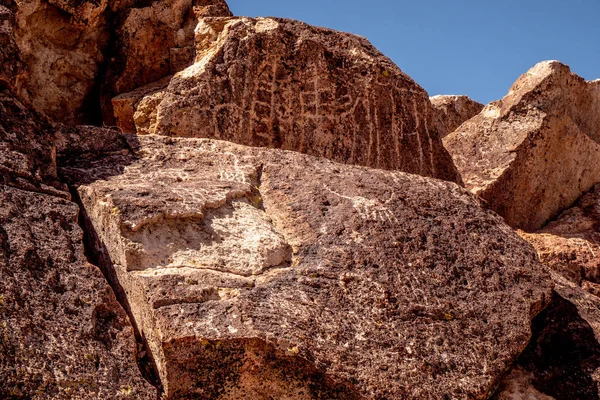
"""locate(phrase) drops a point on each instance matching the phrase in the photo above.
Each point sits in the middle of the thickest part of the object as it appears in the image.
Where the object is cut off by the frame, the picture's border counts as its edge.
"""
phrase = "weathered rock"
(256, 273)
(284, 84)
(534, 153)
(570, 245)
(450, 112)
(153, 42)
(62, 44)
(518, 386)
(10, 57)
(63, 335)
(27, 150)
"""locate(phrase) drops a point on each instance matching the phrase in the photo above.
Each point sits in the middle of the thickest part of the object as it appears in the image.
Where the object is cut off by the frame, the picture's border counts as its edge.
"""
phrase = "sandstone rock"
(450, 112)
(518, 386)
(256, 273)
(534, 153)
(284, 84)
(63, 335)
(27, 150)
(153, 42)
(10, 58)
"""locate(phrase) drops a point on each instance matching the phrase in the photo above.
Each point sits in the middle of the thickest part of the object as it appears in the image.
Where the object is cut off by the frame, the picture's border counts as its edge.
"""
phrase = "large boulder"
(257, 273)
(153, 42)
(63, 335)
(450, 112)
(285, 84)
(535, 152)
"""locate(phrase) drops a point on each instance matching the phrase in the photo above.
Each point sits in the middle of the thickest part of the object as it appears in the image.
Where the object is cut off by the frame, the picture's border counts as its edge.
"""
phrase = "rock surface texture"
(257, 273)
(63, 335)
(450, 112)
(284, 84)
(10, 57)
(535, 152)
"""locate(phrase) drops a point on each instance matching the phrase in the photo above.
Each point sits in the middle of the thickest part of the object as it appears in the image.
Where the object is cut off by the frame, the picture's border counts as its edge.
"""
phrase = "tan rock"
(63, 335)
(257, 273)
(534, 153)
(450, 112)
(518, 386)
(153, 42)
(284, 84)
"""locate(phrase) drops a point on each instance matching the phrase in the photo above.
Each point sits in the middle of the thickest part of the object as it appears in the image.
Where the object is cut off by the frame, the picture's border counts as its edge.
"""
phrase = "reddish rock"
(10, 57)
(257, 273)
(535, 152)
(450, 112)
(63, 335)
(284, 84)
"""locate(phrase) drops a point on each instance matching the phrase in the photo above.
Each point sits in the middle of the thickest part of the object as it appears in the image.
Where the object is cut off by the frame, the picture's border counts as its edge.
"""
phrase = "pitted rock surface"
(10, 57)
(63, 335)
(285, 84)
(535, 152)
(27, 149)
(450, 112)
(256, 273)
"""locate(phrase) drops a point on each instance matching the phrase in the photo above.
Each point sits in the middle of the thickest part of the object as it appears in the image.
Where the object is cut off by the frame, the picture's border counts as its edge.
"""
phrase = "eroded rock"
(254, 273)
(534, 153)
(153, 42)
(450, 112)
(10, 57)
(63, 335)
(284, 84)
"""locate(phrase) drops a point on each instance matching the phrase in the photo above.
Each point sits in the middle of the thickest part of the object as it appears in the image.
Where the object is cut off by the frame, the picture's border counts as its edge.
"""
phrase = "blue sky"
(478, 48)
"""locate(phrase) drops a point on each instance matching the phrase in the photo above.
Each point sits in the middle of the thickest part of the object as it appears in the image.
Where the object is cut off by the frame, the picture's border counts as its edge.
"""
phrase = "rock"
(63, 335)
(258, 273)
(284, 84)
(450, 112)
(153, 42)
(62, 43)
(535, 152)
(570, 245)
(27, 149)
(10, 57)
(518, 386)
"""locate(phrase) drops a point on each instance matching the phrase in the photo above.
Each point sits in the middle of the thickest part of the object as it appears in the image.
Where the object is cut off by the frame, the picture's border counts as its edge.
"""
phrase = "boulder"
(285, 84)
(450, 112)
(535, 152)
(153, 42)
(63, 335)
(259, 273)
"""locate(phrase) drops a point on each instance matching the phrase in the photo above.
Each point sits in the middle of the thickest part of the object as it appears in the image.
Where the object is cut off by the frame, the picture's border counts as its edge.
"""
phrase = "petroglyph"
(370, 210)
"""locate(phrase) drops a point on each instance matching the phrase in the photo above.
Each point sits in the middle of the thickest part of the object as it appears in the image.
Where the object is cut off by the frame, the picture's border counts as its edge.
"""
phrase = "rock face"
(10, 58)
(534, 153)
(63, 335)
(284, 84)
(257, 273)
(27, 150)
(450, 112)
(153, 42)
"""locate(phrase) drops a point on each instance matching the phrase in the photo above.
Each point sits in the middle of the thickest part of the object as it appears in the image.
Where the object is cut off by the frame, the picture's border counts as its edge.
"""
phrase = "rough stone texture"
(450, 112)
(63, 335)
(153, 42)
(257, 273)
(518, 386)
(570, 245)
(27, 150)
(284, 84)
(534, 153)
(10, 57)
(62, 44)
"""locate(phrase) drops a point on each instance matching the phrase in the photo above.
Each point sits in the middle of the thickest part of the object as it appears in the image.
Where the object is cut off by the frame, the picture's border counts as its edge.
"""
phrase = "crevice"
(97, 255)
